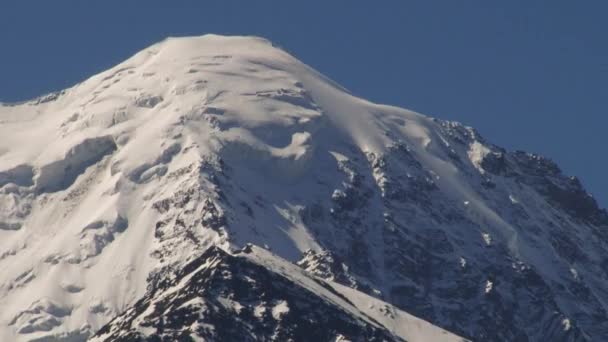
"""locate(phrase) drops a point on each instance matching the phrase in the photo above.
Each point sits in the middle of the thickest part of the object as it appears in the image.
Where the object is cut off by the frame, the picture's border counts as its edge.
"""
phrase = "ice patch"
(259, 311)
(280, 309)
(574, 273)
(476, 153)
(566, 324)
(489, 286)
(487, 238)
(230, 304)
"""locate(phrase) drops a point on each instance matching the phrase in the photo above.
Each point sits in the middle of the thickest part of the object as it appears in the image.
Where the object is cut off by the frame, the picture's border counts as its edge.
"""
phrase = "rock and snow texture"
(109, 189)
(255, 296)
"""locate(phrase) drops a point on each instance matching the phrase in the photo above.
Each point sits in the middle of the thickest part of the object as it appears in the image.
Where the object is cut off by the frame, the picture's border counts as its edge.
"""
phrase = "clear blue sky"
(528, 74)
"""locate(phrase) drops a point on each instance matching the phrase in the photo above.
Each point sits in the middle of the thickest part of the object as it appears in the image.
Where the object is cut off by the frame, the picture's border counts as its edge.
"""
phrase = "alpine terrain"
(217, 189)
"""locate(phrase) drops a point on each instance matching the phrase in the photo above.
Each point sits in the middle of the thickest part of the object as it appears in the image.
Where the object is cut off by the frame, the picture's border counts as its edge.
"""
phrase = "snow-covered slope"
(112, 185)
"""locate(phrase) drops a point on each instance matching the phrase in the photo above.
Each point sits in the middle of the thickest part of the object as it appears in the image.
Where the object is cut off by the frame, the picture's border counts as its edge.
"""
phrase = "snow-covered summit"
(110, 186)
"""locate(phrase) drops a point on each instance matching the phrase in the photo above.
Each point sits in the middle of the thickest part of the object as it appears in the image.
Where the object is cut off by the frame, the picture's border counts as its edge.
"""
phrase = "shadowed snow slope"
(115, 185)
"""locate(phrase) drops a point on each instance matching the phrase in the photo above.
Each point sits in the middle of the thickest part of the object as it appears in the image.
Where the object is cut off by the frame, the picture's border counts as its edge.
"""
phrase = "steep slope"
(111, 185)
(254, 296)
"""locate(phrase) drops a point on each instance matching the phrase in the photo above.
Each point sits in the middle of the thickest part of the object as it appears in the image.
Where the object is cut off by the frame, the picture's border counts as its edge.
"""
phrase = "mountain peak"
(110, 187)
(193, 47)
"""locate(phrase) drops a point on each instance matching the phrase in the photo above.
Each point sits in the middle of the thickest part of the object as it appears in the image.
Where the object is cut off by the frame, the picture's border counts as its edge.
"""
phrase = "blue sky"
(530, 75)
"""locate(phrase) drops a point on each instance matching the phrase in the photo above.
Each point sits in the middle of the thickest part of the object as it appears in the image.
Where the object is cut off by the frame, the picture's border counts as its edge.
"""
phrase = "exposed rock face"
(141, 178)
(220, 297)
